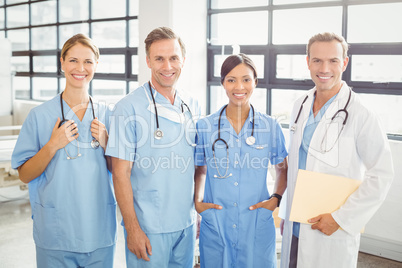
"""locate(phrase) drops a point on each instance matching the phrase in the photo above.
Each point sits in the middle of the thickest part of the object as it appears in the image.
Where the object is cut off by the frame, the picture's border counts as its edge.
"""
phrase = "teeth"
(239, 95)
(168, 75)
(324, 77)
(79, 76)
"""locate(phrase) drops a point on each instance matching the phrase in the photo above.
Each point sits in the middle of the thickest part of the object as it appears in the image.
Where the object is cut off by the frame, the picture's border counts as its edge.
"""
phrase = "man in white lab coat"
(332, 132)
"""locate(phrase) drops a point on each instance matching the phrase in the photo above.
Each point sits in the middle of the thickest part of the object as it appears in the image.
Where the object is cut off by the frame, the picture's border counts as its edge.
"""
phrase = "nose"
(167, 65)
(239, 84)
(324, 68)
(80, 67)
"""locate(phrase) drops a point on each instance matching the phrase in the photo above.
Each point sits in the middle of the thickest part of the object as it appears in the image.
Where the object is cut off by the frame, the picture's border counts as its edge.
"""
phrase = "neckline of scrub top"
(159, 98)
(69, 110)
(225, 122)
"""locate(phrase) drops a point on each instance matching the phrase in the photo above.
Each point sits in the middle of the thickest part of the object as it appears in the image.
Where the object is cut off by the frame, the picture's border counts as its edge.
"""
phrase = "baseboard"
(378, 246)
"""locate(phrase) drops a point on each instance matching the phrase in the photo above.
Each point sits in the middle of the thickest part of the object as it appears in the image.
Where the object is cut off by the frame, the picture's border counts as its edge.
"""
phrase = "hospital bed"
(8, 176)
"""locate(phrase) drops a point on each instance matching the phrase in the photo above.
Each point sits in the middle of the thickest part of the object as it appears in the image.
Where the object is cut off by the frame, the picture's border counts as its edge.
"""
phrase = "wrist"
(277, 196)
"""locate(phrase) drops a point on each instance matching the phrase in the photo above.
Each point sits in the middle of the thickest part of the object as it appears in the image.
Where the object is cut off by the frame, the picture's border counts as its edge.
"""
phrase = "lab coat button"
(236, 183)
(235, 204)
(237, 140)
(234, 225)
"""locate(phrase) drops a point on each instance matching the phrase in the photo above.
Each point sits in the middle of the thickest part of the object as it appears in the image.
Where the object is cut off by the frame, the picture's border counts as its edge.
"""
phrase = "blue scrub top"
(73, 203)
(236, 236)
(162, 176)
(309, 129)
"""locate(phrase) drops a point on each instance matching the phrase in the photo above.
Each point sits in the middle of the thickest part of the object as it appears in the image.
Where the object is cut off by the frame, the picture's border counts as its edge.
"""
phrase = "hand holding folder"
(319, 193)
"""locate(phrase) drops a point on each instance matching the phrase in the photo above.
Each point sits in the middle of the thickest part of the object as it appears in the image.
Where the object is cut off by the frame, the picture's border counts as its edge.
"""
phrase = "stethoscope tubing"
(159, 133)
(293, 128)
(250, 141)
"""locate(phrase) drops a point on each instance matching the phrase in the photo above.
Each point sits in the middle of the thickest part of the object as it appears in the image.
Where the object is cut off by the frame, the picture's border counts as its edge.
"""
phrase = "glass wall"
(38, 30)
(275, 32)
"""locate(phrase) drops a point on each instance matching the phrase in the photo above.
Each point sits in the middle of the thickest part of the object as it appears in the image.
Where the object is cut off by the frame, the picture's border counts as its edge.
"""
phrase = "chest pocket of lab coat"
(330, 144)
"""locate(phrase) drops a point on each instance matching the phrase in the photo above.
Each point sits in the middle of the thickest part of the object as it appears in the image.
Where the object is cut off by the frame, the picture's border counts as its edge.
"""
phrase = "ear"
(345, 63)
(61, 62)
(148, 62)
(308, 62)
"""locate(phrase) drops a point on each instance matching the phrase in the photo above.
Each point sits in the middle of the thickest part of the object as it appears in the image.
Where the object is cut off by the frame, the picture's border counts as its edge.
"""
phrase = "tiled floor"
(17, 249)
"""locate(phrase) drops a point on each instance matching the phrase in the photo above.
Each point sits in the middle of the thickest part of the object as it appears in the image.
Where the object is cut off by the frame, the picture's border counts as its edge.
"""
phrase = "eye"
(73, 60)
(230, 80)
(247, 80)
(159, 59)
(88, 62)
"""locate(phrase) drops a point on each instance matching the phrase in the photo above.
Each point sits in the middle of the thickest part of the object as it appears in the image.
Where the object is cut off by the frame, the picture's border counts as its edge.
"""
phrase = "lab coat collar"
(339, 101)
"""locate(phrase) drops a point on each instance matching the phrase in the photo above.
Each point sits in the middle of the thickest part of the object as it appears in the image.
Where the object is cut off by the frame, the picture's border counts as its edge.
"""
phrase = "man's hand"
(324, 223)
(138, 243)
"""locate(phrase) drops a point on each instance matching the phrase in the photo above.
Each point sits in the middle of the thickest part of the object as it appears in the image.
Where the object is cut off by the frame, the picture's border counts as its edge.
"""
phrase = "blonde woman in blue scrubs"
(234, 148)
(60, 154)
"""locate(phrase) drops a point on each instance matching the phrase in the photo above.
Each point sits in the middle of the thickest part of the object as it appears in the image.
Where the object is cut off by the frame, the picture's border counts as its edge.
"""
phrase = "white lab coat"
(362, 152)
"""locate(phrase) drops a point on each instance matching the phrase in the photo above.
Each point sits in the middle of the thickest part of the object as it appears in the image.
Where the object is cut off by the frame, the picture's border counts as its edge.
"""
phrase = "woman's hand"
(99, 132)
(201, 206)
(63, 135)
(269, 204)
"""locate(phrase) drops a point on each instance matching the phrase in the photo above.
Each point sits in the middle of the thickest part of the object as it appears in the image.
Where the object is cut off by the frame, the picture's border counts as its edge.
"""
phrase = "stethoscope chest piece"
(250, 140)
(158, 134)
(95, 144)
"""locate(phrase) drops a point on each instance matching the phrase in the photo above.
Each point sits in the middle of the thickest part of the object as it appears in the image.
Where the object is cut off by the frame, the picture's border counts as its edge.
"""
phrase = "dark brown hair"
(232, 61)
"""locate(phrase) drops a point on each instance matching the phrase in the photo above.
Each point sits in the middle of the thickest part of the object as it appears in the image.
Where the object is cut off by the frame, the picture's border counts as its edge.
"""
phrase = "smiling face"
(239, 84)
(165, 60)
(79, 65)
(326, 65)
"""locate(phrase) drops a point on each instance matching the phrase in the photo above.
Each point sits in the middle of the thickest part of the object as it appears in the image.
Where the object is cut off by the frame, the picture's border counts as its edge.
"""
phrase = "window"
(37, 40)
(274, 34)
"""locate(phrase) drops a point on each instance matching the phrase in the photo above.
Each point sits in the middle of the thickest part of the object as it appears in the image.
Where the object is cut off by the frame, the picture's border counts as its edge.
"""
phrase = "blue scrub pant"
(173, 250)
(100, 258)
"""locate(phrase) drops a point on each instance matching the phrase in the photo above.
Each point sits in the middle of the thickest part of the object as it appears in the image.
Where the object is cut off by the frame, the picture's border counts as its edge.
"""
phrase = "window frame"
(271, 51)
(127, 51)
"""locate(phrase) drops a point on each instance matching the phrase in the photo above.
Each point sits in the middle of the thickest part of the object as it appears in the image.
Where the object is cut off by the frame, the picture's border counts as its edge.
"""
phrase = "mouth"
(78, 77)
(324, 77)
(167, 75)
(239, 95)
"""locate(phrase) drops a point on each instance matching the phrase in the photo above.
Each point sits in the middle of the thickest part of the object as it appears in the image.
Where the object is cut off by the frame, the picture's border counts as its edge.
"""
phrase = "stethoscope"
(94, 143)
(158, 134)
(293, 128)
(249, 140)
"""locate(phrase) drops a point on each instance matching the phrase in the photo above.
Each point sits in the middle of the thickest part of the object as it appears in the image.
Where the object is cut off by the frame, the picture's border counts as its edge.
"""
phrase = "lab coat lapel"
(324, 145)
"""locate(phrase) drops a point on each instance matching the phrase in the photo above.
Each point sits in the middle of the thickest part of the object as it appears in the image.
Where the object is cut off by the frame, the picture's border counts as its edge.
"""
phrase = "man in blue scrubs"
(151, 145)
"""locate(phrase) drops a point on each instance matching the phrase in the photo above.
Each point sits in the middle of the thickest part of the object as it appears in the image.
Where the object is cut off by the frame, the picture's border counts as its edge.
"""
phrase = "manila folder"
(319, 193)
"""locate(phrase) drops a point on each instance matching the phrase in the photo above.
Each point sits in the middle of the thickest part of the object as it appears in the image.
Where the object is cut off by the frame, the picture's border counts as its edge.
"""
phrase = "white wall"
(188, 19)
(383, 234)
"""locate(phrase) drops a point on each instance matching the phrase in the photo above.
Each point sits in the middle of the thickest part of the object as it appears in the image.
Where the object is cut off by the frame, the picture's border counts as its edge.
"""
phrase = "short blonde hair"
(83, 40)
(328, 37)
